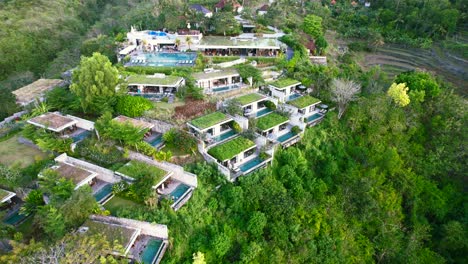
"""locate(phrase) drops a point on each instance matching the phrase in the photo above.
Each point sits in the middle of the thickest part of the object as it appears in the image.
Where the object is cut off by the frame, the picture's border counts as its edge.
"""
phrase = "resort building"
(263, 10)
(172, 181)
(140, 241)
(201, 9)
(285, 89)
(236, 157)
(153, 85)
(250, 46)
(216, 81)
(236, 7)
(6, 196)
(212, 128)
(306, 107)
(254, 104)
(66, 126)
(159, 40)
(278, 129)
(36, 90)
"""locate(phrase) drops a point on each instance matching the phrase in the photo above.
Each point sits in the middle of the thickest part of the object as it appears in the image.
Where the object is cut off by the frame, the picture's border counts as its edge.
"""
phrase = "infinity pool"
(104, 192)
(152, 251)
(162, 59)
(225, 88)
(225, 135)
(250, 164)
(285, 137)
(293, 96)
(313, 117)
(15, 219)
(179, 191)
(263, 112)
(156, 141)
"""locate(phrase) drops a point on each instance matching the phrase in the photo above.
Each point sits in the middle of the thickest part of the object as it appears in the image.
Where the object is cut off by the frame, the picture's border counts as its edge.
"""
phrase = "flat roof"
(30, 92)
(6, 195)
(209, 120)
(214, 74)
(127, 50)
(76, 174)
(135, 122)
(159, 80)
(270, 120)
(135, 169)
(231, 148)
(220, 42)
(52, 121)
(304, 101)
(284, 83)
(249, 98)
(123, 235)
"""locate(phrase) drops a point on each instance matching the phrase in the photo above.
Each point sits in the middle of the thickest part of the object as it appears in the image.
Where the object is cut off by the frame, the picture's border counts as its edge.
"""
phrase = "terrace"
(240, 46)
(214, 127)
(35, 90)
(253, 104)
(285, 89)
(154, 84)
(218, 81)
(66, 126)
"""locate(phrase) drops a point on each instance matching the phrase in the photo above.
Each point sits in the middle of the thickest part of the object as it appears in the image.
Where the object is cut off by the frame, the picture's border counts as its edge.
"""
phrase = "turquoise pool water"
(81, 136)
(313, 117)
(249, 165)
(285, 137)
(225, 88)
(293, 96)
(165, 59)
(152, 251)
(156, 141)
(15, 218)
(105, 191)
(226, 135)
(263, 112)
(179, 191)
(150, 96)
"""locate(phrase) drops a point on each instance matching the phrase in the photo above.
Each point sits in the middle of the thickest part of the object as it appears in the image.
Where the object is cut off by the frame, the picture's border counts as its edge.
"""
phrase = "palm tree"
(177, 42)
(188, 40)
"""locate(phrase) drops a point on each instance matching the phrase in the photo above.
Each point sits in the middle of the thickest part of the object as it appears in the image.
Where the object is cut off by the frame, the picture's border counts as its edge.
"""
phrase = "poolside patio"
(285, 89)
(212, 128)
(216, 81)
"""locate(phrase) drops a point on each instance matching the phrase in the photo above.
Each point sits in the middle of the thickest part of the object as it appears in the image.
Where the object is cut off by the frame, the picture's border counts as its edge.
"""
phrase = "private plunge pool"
(263, 112)
(314, 117)
(15, 219)
(285, 137)
(225, 135)
(250, 164)
(152, 251)
(104, 193)
(179, 191)
(157, 141)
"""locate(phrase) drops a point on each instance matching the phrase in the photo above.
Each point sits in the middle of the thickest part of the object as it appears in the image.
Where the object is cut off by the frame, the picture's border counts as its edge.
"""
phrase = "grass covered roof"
(284, 82)
(271, 120)
(304, 101)
(136, 169)
(231, 148)
(249, 98)
(209, 120)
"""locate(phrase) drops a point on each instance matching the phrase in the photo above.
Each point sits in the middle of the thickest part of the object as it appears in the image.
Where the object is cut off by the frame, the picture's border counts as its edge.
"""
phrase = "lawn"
(13, 152)
(209, 120)
(230, 149)
(283, 83)
(271, 120)
(249, 98)
(118, 203)
(304, 101)
(175, 151)
(137, 169)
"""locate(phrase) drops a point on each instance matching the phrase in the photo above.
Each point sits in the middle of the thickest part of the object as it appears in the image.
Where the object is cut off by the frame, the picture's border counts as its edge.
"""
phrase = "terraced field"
(395, 59)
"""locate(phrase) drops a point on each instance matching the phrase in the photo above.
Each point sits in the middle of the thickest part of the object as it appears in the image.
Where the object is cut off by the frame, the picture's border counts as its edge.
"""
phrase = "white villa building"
(306, 109)
(216, 81)
(212, 128)
(284, 89)
(254, 104)
(158, 83)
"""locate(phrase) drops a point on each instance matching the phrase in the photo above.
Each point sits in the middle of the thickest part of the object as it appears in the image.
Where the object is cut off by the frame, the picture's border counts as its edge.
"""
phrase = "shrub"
(102, 153)
(133, 106)
(236, 127)
(180, 139)
(270, 105)
(165, 100)
(295, 130)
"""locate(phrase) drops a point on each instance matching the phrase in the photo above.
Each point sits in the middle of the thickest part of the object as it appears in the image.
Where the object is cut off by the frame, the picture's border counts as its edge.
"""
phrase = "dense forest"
(381, 180)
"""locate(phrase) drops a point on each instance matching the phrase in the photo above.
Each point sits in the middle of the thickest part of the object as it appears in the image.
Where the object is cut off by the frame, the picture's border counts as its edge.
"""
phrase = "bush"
(236, 127)
(133, 106)
(180, 139)
(295, 130)
(165, 99)
(102, 153)
(270, 105)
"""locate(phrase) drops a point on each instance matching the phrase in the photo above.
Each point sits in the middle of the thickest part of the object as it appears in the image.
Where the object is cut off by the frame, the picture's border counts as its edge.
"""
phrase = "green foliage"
(126, 133)
(132, 106)
(102, 44)
(46, 140)
(246, 71)
(95, 82)
(32, 202)
(313, 26)
(102, 153)
(58, 188)
(420, 81)
(224, 23)
(7, 105)
(398, 92)
(60, 99)
(236, 127)
(233, 107)
(180, 139)
(295, 130)
(256, 224)
(51, 222)
(270, 105)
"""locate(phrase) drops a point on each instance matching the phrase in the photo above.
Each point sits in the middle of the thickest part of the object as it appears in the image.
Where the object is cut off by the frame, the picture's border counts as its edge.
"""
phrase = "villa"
(240, 46)
(153, 138)
(253, 104)
(172, 181)
(159, 40)
(285, 89)
(213, 128)
(307, 108)
(66, 126)
(6, 196)
(140, 241)
(157, 84)
(216, 81)
(201, 9)
(263, 10)
(36, 90)
(236, 157)
(223, 3)
(277, 129)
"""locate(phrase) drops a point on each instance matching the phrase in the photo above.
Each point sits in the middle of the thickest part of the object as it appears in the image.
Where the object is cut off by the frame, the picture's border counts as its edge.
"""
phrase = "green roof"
(231, 148)
(209, 120)
(271, 120)
(113, 233)
(285, 82)
(214, 74)
(3, 194)
(249, 98)
(136, 169)
(167, 80)
(304, 101)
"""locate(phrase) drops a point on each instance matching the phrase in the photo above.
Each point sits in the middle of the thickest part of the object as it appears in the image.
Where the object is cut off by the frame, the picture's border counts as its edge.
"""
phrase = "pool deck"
(170, 187)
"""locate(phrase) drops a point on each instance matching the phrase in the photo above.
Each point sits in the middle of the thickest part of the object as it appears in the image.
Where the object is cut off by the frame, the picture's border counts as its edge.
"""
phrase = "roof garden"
(136, 169)
(135, 122)
(271, 120)
(160, 80)
(113, 233)
(52, 121)
(284, 83)
(209, 120)
(214, 74)
(36, 89)
(231, 148)
(249, 98)
(5, 195)
(304, 101)
(75, 174)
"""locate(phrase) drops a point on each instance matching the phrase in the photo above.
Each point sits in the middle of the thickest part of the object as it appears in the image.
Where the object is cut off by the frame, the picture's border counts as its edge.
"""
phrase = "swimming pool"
(157, 33)
(152, 251)
(81, 136)
(263, 112)
(156, 141)
(164, 59)
(179, 191)
(313, 117)
(285, 137)
(250, 164)
(225, 135)
(150, 96)
(103, 193)
(225, 88)
(15, 219)
(293, 96)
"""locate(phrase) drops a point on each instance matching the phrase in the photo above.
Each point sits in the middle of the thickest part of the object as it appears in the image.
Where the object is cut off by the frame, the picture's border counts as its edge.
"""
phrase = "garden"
(231, 148)
(271, 120)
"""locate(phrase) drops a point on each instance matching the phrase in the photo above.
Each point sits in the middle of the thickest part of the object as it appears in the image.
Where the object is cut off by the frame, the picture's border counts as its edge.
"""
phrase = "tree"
(343, 92)
(256, 224)
(7, 104)
(247, 71)
(188, 41)
(198, 258)
(51, 221)
(419, 81)
(313, 26)
(95, 82)
(225, 23)
(233, 107)
(321, 44)
(102, 44)
(398, 92)
(132, 106)
(58, 188)
(32, 202)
